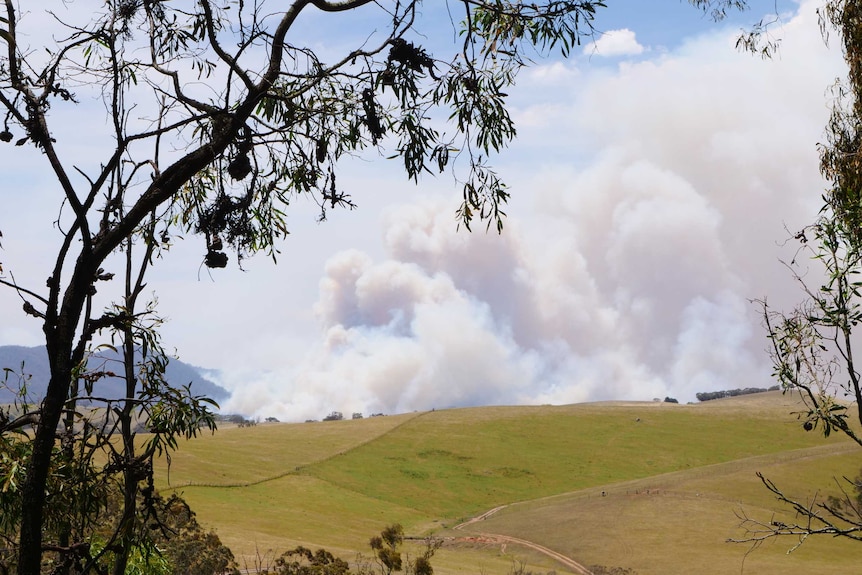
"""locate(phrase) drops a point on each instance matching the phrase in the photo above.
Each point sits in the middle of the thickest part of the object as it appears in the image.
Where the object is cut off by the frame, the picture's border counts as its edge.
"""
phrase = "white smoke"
(649, 203)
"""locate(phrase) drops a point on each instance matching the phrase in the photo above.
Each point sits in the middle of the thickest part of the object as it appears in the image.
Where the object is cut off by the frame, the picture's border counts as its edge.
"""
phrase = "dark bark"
(60, 339)
(60, 335)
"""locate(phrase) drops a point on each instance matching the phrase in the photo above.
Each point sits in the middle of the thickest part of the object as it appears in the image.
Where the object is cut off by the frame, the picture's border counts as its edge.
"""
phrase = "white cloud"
(622, 42)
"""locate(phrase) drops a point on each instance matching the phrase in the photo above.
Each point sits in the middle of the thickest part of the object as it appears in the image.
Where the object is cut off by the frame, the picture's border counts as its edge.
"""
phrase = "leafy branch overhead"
(274, 118)
(813, 347)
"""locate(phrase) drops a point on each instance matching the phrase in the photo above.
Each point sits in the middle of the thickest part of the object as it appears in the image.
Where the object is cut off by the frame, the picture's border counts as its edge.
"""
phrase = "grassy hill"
(674, 478)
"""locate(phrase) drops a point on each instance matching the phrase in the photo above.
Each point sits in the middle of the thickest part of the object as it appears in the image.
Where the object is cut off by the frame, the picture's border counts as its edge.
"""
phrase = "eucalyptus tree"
(219, 116)
(814, 347)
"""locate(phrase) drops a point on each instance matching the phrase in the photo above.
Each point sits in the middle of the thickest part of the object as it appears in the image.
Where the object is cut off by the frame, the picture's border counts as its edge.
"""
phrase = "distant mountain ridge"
(35, 364)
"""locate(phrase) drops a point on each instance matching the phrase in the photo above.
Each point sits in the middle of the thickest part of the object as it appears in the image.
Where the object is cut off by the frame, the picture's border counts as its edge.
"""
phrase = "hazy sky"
(655, 177)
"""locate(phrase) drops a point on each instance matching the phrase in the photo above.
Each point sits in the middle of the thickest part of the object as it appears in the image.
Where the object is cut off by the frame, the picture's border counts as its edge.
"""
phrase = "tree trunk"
(33, 489)
(60, 329)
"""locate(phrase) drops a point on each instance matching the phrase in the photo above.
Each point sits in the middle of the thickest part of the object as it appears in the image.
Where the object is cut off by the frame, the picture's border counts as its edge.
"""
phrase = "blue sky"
(669, 22)
(654, 180)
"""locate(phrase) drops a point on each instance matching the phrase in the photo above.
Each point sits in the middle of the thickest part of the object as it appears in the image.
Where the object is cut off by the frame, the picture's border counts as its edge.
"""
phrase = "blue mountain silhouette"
(34, 363)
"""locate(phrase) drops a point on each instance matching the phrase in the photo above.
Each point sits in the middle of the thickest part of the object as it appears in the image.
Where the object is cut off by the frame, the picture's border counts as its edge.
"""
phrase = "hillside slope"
(334, 484)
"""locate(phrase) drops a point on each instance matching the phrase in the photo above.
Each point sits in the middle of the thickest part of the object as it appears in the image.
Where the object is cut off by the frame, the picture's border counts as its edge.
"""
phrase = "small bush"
(602, 570)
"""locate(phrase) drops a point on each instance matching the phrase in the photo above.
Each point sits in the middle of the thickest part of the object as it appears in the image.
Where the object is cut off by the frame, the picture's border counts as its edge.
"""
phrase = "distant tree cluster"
(708, 395)
(338, 416)
(238, 420)
(671, 400)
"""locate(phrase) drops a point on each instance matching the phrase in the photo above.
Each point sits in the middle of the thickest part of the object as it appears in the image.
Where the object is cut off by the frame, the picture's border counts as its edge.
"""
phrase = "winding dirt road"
(503, 539)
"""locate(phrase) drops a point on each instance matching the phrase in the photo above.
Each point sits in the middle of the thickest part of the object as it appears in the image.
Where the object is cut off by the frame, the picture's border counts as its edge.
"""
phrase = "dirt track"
(502, 539)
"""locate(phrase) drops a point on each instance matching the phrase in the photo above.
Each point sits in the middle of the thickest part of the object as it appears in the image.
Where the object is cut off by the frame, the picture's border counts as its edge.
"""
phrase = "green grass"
(294, 510)
(241, 455)
(451, 464)
(335, 484)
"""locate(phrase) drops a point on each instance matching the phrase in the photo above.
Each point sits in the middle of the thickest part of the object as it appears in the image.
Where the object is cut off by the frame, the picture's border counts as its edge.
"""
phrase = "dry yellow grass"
(681, 522)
